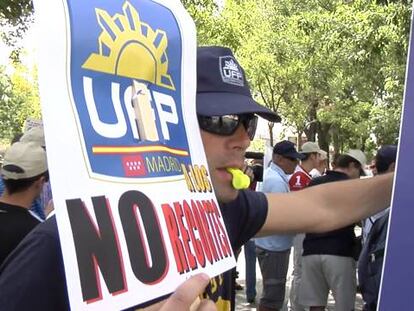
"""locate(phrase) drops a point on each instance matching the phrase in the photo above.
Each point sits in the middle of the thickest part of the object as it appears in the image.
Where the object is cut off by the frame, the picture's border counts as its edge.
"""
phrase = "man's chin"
(227, 196)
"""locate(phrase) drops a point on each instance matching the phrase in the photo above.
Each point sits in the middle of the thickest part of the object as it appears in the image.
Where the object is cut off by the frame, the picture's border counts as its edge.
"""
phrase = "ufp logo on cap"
(230, 71)
(126, 81)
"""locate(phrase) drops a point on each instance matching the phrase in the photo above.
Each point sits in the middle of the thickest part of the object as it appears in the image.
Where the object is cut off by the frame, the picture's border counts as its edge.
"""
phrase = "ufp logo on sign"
(127, 111)
(134, 201)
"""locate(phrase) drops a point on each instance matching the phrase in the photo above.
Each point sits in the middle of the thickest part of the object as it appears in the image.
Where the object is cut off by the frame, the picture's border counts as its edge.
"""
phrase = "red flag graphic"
(134, 166)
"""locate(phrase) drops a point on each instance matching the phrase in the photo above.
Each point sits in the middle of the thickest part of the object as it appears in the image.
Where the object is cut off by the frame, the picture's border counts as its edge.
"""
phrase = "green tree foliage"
(331, 68)
(19, 100)
(15, 10)
(15, 18)
(204, 13)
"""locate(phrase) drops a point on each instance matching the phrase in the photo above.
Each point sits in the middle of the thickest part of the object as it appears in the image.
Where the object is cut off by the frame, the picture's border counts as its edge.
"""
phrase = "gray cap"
(24, 160)
(35, 135)
(357, 155)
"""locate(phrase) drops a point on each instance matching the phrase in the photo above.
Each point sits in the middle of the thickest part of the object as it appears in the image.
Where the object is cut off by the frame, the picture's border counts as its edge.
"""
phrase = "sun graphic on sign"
(130, 48)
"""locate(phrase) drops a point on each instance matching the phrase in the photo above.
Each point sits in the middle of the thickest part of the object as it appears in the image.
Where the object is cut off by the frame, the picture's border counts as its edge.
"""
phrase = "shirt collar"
(279, 170)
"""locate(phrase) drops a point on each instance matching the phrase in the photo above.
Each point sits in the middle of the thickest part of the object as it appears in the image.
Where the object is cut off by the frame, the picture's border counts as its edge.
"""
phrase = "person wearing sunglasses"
(227, 116)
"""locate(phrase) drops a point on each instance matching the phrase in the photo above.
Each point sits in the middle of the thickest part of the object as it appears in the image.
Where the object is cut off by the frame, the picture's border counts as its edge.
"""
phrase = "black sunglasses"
(226, 125)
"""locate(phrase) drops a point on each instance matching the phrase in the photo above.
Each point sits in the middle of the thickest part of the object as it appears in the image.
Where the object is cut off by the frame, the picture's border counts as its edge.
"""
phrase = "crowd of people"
(325, 208)
(327, 262)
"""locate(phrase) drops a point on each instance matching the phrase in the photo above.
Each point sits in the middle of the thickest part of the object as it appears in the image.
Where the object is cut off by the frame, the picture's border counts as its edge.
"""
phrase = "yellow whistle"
(240, 180)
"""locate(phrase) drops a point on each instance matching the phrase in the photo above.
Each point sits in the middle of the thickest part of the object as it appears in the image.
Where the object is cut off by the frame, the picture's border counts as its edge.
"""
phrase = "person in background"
(384, 160)
(311, 158)
(255, 172)
(298, 181)
(371, 260)
(24, 172)
(373, 168)
(36, 136)
(273, 251)
(328, 259)
(43, 206)
(321, 168)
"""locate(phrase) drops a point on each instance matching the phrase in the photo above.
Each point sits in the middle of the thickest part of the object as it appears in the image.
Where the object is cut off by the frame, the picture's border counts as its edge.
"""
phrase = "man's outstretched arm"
(327, 207)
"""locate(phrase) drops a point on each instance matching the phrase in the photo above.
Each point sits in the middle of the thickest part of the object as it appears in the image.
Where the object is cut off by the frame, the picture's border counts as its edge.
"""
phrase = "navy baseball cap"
(287, 149)
(389, 152)
(385, 156)
(222, 87)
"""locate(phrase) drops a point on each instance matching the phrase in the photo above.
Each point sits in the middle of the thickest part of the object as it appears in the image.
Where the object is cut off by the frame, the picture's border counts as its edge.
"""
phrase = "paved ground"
(242, 305)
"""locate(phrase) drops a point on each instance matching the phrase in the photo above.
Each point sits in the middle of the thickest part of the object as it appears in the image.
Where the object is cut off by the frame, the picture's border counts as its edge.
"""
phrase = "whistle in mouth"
(240, 180)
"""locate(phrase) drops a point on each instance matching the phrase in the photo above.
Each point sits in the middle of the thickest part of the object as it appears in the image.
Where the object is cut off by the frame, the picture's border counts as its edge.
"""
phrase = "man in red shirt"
(299, 180)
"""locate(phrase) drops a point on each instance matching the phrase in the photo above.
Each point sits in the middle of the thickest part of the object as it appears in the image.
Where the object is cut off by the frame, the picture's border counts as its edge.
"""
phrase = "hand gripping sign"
(135, 206)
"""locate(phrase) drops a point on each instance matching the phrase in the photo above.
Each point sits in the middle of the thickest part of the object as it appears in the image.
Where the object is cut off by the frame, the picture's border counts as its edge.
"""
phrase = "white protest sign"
(134, 201)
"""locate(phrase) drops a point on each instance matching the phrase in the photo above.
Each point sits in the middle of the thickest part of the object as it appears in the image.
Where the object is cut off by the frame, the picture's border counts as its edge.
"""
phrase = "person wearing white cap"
(24, 171)
(34, 135)
(298, 180)
(320, 169)
(301, 178)
(328, 259)
(360, 157)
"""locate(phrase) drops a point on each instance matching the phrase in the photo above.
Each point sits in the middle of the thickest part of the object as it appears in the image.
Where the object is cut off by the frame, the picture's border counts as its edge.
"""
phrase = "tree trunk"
(312, 128)
(336, 142)
(271, 125)
(324, 138)
(299, 141)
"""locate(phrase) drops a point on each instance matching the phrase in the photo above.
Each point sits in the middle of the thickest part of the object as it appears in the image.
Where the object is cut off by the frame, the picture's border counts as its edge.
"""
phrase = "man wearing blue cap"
(273, 251)
(227, 116)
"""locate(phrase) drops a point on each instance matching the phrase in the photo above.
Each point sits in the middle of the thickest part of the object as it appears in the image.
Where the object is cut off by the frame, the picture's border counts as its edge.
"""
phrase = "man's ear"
(351, 168)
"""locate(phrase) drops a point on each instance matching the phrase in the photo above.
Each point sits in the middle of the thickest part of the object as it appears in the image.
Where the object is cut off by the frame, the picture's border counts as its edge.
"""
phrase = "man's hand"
(186, 297)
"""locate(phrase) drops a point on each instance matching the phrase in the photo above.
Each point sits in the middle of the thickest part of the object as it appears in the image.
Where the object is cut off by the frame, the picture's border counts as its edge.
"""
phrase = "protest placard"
(398, 270)
(134, 202)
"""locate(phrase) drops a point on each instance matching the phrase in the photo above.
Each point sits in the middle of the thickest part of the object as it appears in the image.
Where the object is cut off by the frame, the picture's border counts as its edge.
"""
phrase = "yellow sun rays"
(135, 50)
